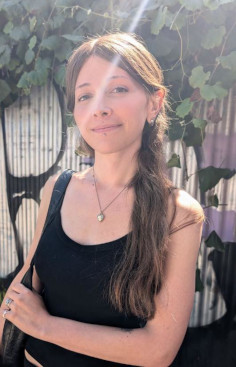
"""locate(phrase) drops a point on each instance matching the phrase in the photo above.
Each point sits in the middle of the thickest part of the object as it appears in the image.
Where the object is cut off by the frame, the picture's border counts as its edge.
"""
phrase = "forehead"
(96, 67)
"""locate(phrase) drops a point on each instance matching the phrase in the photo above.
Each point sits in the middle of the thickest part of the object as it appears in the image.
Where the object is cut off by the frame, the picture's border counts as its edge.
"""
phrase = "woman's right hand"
(43, 209)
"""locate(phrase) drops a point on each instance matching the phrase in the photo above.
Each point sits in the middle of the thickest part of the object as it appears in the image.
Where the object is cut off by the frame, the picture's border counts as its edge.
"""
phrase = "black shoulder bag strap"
(13, 339)
(55, 202)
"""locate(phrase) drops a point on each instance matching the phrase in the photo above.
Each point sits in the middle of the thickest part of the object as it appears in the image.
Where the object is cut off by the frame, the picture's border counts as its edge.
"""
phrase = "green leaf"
(21, 49)
(29, 56)
(8, 27)
(216, 18)
(198, 77)
(33, 22)
(59, 75)
(175, 131)
(23, 82)
(5, 90)
(175, 22)
(214, 4)
(174, 161)
(161, 46)
(13, 64)
(193, 136)
(213, 200)
(210, 92)
(56, 21)
(32, 42)
(198, 283)
(38, 76)
(192, 4)
(19, 69)
(198, 123)
(3, 39)
(41, 71)
(226, 76)
(51, 43)
(158, 20)
(184, 108)
(210, 176)
(34, 6)
(20, 32)
(12, 8)
(228, 61)
(222, 2)
(215, 241)
(5, 55)
(75, 38)
(213, 38)
(64, 51)
(81, 16)
(70, 122)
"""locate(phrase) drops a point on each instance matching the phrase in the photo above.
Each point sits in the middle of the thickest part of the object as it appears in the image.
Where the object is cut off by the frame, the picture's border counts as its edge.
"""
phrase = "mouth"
(106, 128)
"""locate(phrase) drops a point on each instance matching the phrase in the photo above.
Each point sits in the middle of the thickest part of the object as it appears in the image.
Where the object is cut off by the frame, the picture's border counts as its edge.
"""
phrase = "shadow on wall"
(214, 345)
(19, 188)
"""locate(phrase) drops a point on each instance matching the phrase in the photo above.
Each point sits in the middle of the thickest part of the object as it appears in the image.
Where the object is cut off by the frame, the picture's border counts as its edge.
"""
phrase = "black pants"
(27, 363)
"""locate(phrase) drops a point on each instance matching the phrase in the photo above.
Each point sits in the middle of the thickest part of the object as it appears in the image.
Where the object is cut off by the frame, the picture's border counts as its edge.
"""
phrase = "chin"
(116, 147)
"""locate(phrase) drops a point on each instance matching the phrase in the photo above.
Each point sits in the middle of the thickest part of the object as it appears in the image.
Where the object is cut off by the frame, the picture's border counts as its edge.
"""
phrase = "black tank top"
(75, 278)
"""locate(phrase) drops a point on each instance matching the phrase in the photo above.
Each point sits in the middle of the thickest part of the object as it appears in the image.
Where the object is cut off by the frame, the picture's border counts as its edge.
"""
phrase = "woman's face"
(110, 107)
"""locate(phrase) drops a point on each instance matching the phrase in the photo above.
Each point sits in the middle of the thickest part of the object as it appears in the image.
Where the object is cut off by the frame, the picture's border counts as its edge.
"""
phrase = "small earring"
(152, 122)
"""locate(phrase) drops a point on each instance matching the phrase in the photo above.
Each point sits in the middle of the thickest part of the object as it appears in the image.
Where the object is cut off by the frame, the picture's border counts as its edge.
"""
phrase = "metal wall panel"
(33, 140)
(219, 150)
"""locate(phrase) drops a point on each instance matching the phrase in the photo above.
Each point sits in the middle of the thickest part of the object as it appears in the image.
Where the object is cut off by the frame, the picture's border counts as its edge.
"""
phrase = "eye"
(83, 98)
(120, 90)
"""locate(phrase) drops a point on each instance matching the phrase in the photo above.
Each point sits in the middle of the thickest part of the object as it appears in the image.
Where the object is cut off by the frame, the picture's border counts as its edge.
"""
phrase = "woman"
(117, 263)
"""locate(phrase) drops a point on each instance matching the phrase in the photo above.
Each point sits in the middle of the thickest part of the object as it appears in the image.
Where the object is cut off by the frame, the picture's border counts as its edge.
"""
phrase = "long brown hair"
(138, 277)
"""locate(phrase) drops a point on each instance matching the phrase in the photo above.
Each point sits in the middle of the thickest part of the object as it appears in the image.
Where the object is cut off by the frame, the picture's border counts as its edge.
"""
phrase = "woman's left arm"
(155, 345)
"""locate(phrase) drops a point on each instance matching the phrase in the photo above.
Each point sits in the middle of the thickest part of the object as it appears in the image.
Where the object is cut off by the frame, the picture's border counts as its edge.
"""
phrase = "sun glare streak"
(138, 15)
(97, 100)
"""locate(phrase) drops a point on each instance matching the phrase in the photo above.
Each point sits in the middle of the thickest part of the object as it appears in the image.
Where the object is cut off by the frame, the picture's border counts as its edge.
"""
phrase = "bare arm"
(47, 192)
(157, 343)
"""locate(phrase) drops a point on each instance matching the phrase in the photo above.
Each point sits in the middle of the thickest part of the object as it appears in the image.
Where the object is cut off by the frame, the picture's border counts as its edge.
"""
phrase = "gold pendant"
(100, 217)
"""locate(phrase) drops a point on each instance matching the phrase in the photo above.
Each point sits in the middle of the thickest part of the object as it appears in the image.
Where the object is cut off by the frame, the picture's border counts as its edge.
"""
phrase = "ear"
(155, 103)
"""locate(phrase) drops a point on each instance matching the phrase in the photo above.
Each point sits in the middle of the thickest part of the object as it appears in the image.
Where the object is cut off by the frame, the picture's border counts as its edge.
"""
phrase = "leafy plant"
(193, 40)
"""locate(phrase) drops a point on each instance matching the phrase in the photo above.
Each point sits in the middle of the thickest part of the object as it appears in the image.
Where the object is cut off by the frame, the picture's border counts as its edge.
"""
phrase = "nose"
(102, 111)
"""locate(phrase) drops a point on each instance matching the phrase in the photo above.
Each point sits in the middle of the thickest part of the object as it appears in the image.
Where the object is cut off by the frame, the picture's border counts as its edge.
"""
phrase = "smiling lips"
(105, 128)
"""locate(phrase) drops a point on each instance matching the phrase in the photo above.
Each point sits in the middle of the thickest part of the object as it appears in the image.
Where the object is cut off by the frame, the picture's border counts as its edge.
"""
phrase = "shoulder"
(49, 185)
(48, 188)
(183, 210)
(187, 204)
(51, 182)
(78, 183)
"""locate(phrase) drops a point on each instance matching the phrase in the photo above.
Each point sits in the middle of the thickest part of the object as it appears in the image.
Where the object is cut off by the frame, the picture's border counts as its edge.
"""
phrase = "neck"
(114, 170)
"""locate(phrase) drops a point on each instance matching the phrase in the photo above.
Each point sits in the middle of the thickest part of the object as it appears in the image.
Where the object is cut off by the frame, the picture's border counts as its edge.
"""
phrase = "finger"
(11, 295)
(6, 314)
(8, 302)
(10, 316)
(19, 288)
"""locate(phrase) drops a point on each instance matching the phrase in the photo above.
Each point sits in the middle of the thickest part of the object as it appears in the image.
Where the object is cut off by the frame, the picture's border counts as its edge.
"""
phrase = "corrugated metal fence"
(34, 144)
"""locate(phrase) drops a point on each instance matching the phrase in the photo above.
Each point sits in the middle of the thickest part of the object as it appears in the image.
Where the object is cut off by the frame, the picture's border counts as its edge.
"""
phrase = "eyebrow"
(112, 77)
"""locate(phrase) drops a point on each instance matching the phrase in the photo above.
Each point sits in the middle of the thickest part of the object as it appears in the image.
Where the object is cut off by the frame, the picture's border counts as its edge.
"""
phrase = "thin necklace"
(101, 215)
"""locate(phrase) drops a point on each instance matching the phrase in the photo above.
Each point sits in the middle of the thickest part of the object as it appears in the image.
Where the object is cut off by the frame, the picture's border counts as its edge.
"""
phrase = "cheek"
(82, 115)
(78, 117)
(138, 109)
